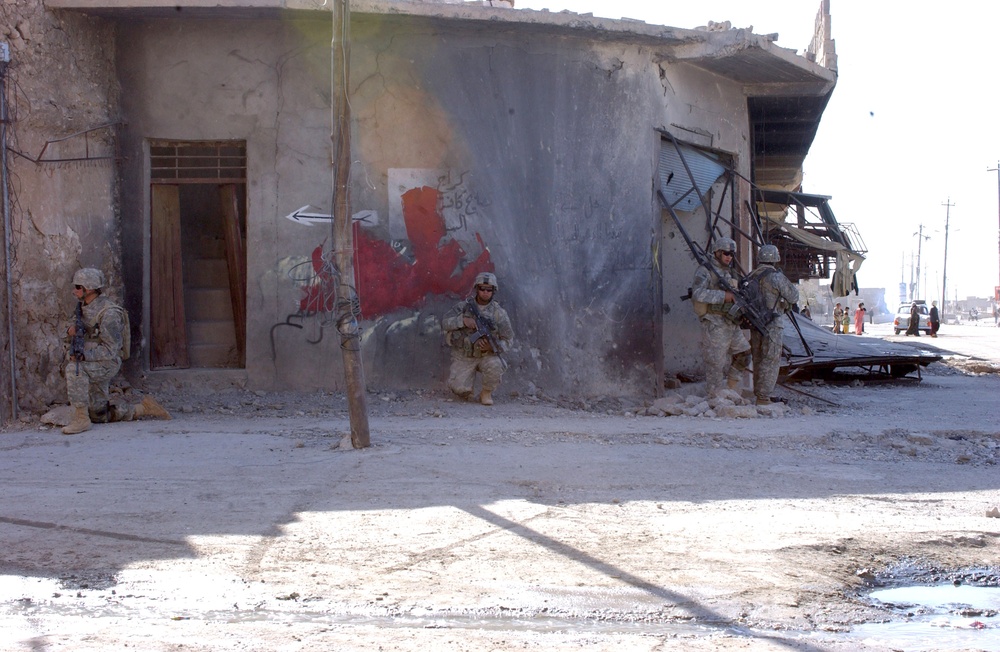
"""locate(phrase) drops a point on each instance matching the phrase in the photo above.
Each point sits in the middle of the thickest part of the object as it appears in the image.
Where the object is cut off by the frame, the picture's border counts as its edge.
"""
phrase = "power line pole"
(920, 242)
(348, 305)
(944, 267)
(996, 290)
(912, 285)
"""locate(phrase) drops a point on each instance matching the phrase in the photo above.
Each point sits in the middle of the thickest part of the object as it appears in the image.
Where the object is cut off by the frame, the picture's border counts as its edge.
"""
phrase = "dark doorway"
(197, 254)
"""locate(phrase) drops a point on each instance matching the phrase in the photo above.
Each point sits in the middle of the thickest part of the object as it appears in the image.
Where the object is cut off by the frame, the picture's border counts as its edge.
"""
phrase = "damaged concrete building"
(184, 148)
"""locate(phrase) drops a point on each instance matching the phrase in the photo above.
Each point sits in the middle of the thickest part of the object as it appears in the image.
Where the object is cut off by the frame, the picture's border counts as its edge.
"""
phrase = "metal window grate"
(198, 162)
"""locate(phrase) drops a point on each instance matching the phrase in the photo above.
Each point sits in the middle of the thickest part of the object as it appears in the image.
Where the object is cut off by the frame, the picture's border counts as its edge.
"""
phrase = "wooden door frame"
(230, 176)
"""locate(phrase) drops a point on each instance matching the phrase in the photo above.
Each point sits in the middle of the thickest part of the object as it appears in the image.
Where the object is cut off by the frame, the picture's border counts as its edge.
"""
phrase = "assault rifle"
(742, 308)
(484, 328)
(79, 332)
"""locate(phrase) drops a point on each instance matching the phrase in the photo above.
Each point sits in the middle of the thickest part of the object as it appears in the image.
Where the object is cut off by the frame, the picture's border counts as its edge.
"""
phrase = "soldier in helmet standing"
(96, 356)
(779, 294)
(468, 356)
(724, 347)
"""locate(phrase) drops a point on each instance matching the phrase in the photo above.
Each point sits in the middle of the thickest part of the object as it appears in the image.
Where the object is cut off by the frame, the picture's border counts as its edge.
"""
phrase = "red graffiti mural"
(387, 280)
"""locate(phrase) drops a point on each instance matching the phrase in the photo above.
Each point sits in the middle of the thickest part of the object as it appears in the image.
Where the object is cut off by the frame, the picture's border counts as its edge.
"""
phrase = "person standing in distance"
(838, 316)
(471, 354)
(913, 328)
(724, 348)
(779, 294)
(859, 319)
(934, 319)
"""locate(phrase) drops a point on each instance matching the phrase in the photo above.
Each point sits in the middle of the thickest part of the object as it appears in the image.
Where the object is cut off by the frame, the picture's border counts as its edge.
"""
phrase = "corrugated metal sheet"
(676, 183)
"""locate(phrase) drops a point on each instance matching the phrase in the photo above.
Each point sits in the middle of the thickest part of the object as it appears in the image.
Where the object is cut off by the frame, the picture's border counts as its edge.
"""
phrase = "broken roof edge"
(733, 44)
(697, 46)
(420, 8)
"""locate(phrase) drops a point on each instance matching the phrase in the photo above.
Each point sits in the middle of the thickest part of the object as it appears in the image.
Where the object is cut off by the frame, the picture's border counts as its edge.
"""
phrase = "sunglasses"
(79, 287)
(484, 288)
(727, 253)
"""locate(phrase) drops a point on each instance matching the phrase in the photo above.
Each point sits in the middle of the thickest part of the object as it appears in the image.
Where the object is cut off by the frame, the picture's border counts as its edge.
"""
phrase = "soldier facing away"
(97, 335)
(477, 347)
(779, 294)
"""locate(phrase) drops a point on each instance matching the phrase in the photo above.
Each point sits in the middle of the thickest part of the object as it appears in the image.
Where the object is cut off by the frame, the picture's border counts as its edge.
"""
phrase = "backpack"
(126, 349)
(751, 291)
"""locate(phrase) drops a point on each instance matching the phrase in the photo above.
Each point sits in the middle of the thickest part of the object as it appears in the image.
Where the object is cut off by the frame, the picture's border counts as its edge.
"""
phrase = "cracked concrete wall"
(61, 81)
(546, 142)
(556, 139)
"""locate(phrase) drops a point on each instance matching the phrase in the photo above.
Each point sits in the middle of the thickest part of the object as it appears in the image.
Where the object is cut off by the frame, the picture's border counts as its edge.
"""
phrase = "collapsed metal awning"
(812, 243)
(812, 351)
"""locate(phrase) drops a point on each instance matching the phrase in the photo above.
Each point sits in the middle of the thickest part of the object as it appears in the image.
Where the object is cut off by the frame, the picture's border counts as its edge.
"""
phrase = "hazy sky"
(912, 123)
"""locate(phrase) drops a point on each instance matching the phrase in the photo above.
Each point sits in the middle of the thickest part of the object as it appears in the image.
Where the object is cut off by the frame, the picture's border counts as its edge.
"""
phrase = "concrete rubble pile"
(729, 404)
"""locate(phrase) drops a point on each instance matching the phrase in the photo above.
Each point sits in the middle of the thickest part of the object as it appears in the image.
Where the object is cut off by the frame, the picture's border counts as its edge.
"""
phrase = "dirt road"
(244, 525)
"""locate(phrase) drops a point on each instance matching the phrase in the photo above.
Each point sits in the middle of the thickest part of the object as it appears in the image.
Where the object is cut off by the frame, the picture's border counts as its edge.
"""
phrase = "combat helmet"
(768, 254)
(486, 278)
(90, 278)
(725, 244)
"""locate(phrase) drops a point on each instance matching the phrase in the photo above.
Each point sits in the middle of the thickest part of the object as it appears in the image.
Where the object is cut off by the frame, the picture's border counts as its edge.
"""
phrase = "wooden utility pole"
(343, 236)
(944, 267)
(996, 290)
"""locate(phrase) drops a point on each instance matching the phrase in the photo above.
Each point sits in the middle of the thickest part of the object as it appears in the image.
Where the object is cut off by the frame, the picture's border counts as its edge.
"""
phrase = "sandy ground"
(246, 524)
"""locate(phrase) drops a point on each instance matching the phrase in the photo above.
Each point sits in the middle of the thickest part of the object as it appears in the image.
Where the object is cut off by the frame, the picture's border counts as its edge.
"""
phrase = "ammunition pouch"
(454, 339)
(730, 311)
(464, 341)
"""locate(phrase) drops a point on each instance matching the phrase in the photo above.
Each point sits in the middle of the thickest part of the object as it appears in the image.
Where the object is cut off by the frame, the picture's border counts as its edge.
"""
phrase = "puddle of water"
(937, 617)
(943, 597)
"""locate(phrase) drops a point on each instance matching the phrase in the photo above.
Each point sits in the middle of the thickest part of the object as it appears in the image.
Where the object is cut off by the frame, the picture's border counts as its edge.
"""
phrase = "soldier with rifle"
(778, 295)
(716, 300)
(99, 339)
(478, 331)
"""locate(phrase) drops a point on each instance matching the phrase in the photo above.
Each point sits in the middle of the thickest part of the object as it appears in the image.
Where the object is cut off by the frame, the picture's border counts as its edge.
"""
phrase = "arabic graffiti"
(456, 203)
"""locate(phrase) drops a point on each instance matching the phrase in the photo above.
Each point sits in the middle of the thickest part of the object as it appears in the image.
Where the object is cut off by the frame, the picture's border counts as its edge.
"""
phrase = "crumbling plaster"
(61, 81)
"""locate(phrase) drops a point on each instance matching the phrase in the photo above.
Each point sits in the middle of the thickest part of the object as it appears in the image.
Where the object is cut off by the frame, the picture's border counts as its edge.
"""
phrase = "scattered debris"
(691, 401)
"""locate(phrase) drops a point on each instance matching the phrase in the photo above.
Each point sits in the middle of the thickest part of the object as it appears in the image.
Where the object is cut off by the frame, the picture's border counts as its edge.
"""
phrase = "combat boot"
(151, 409)
(733, 383)
(79, 423)
(486, 397)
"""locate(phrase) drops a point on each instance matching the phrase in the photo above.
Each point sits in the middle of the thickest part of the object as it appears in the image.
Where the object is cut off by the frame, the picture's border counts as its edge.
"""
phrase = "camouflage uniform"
(724, 347)
(467, 359)
(88, 382)
(779, 294)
